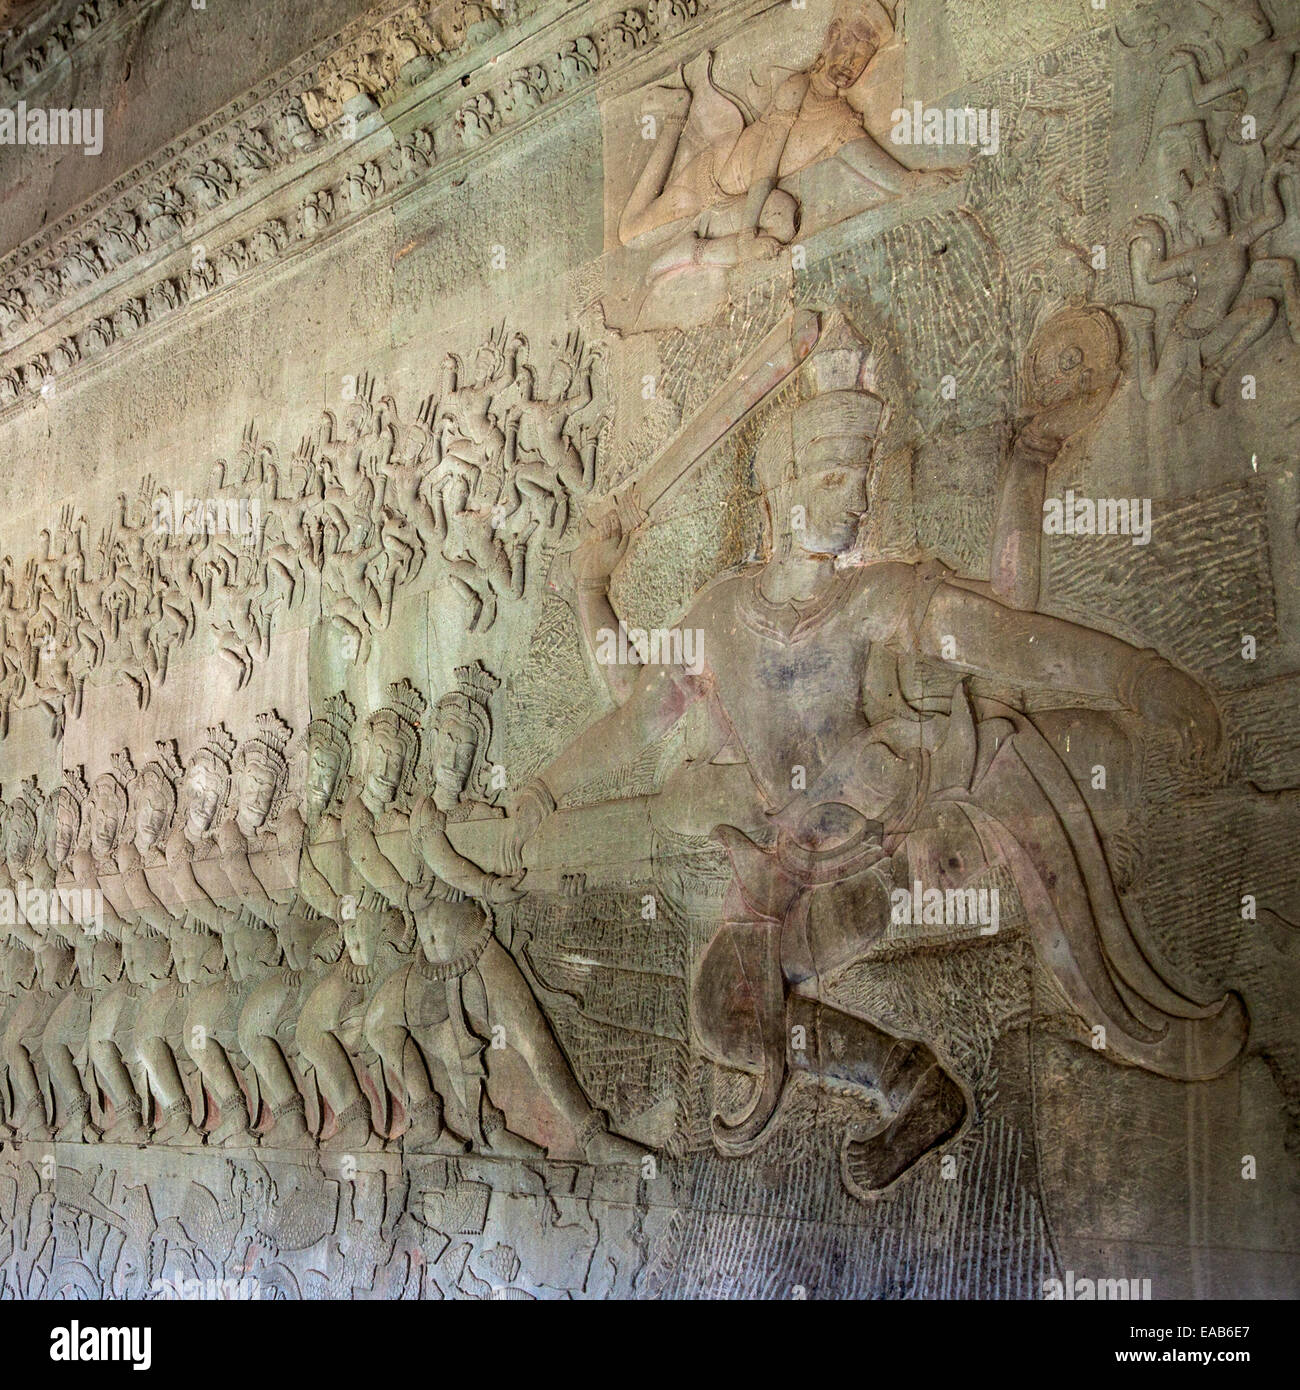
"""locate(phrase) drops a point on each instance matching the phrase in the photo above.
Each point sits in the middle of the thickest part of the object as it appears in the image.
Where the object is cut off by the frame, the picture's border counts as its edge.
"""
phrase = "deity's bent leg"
(158, 1012)
(745, 1016)
(67, 1029)
(107, 1017)
(508, 1003)
(20, 1046)
(269, 1009)
(388, 1031)
(205, 1034)
(320, 1046)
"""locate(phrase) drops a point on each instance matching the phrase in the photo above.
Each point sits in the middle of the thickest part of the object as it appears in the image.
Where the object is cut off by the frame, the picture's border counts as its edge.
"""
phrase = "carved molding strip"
(38, 57)
(361, 188)
(265, 130)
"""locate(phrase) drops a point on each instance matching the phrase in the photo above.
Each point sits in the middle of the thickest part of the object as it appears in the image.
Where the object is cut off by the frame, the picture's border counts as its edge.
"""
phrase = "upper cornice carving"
(42, 48)
(148, 207)
(180, 203)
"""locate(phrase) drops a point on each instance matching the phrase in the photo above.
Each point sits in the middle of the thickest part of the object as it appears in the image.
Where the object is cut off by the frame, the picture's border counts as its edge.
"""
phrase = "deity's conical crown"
(75, 784)
(123, 768)
(168, 759)
(219, 746)
(475, 682)
(270, 739)
(475, 686)
(332, 727)
(406, 702)
(839, 407)
(880, 14)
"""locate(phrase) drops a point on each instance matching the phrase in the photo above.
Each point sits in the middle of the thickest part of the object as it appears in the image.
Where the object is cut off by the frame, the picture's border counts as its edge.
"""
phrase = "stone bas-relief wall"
(652, 653)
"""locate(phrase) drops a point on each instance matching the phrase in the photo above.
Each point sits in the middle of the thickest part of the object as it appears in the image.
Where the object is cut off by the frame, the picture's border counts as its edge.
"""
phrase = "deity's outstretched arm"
(1015, 566)
(370, 861)
(661, 695)
(1042, 651)
(314, 888)
(431, 844)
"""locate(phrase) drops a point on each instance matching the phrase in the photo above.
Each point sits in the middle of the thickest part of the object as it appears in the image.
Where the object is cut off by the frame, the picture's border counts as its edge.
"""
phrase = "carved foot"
(127, 1128)
(77, 1129)
(177, 1126)
(504, 1143)
(667, 103)
(32, 1124)
(426, 1133)
(289, 1128)
(603, 1148)
(354, 1131)
(234, 1131)
(930, 1116)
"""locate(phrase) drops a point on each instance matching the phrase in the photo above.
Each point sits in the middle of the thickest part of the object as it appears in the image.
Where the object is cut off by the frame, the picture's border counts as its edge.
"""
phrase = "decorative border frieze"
(385, 168)
(145, 210)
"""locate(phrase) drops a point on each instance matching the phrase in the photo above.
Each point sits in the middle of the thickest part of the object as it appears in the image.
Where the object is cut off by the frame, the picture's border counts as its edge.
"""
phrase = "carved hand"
(600, 550)
(1173, 700)
(504, 888)
(1053, 424)
(530, 809)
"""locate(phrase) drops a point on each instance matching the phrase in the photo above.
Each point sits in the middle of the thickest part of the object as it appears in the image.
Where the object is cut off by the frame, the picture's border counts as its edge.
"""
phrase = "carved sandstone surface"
(652, 652)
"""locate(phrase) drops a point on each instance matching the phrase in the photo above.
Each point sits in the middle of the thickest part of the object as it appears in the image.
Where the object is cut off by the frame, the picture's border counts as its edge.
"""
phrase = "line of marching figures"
(275, 941)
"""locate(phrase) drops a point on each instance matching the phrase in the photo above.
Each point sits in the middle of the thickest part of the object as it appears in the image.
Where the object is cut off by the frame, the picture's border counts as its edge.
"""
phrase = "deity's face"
(322, 780)
(455, 742)
(850, 44)
(104, 827)
(1207, 215)
(833, 497)
(559, 381)
(151, 820)
(22, 836)
(385, 765)
(257, 788)
(204, 787)
(65, 827)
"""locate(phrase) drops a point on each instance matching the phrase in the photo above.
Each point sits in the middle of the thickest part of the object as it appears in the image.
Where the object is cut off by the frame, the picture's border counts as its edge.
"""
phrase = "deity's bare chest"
(790, 688)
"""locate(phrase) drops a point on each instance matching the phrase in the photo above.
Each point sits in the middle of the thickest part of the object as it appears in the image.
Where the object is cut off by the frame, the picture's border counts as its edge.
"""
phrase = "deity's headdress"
(331, 730)
(217, 753)
(469, 702)
(73, 792)
(839, 405)
(400, 718)
(265, 748)
(161, 776)
(24, 816)
(110, 789)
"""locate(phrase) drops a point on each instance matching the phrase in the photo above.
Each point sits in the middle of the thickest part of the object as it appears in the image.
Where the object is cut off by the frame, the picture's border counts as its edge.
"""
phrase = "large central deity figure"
(835, 770)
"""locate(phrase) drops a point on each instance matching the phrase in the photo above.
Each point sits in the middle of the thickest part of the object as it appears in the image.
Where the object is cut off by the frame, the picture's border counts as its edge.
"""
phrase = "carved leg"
(29, 1117)
(649, 206)
(335, 1075)
(67, 1023)
(164, 1080)
(162, 1076)
(128, 1116)
(202, 1021)
(1278, 274)
(387, 1031)
(257, 1039)
(510, 1004)
(1243, 327)
(70, 1097)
